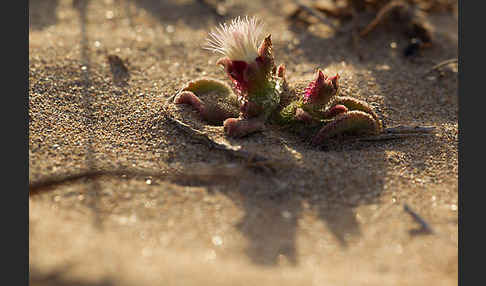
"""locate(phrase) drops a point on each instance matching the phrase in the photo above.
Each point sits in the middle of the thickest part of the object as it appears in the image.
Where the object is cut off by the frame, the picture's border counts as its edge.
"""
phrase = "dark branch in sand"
(195, 134)
(441, 64)
(200, 172)
(409, 129)
(386, 137)
(424, 226)
(399, 132)
(251, 159)
(57, 179)
(381, 15)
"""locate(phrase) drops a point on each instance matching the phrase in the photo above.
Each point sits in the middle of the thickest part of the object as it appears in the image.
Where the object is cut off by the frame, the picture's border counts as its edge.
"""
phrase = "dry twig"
(441, 64)
(409, 129)
(400, 132)
(381, 15)
(424, 226)
(386, 137)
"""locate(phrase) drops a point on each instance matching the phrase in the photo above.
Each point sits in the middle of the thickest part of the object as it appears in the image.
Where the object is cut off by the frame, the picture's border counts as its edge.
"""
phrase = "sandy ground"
(328, 216)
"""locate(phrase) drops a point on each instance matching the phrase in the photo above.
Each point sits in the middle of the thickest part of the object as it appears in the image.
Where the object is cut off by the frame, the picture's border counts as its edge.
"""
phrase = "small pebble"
(217, 240)
(286, 214)
(109, 15)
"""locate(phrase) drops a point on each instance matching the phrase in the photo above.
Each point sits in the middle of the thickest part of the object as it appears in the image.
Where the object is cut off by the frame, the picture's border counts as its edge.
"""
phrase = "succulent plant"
(261, 95)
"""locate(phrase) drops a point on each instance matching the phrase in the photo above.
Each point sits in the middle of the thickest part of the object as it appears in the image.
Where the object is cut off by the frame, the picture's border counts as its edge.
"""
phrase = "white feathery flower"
(237, 41)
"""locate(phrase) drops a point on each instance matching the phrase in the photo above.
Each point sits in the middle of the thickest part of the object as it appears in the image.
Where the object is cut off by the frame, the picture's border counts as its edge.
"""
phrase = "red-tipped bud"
(334, 82)
(281, 71)
(265, 55)
(235, 127)
(265, 49)
(321, 90)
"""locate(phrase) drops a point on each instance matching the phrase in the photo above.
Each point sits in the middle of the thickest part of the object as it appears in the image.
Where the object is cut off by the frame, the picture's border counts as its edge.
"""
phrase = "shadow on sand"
(42, 13)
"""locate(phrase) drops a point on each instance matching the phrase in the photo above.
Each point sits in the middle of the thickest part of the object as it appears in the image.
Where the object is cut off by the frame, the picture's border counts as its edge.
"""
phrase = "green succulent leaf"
(356, 122)
(219, 100)
(355, 104)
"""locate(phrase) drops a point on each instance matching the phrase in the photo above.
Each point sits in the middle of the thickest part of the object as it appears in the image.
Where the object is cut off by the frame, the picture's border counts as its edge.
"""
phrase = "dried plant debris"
(424, 226)
(442, 64)
(118, 70)
(410, 14)
(306, 14)
(336, 8)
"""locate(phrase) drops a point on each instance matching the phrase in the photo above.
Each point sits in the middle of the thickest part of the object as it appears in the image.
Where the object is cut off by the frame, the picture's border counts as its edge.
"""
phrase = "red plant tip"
(321, 90)
(335, 110)
(334, 82)
(301, 115)
(231, 126)
(265, 49)
(281, 71)
(237, 72)
(265, 56)
(187, 97)
(235, 127)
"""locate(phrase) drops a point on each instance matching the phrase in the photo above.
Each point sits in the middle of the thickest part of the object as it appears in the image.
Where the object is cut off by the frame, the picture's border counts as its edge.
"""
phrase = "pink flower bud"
(265, 56)
(321, 90)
